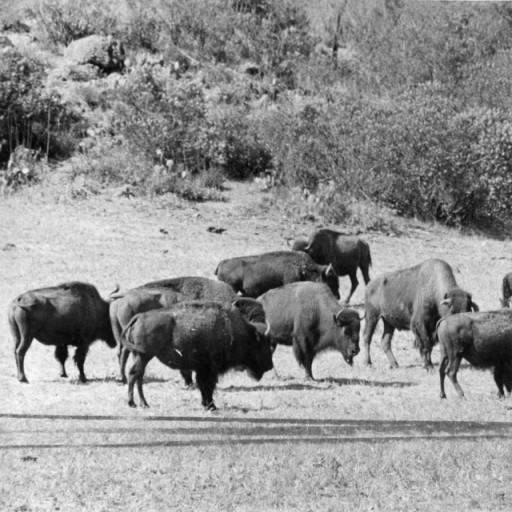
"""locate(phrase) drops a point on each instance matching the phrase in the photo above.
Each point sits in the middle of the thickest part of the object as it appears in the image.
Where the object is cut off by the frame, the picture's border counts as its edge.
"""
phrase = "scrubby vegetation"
(390, 103)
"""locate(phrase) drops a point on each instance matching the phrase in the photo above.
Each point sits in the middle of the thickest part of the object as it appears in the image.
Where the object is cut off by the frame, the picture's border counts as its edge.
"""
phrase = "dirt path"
(25, 431)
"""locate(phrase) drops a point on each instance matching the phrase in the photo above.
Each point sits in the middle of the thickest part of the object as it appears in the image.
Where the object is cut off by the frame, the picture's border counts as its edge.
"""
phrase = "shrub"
(63, 21)
(422, 154)
(155, 112)
(29, 115)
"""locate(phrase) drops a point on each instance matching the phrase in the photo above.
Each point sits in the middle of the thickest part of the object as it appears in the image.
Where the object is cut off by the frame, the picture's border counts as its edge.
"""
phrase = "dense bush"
(29, 115)
(63, 21)
(422, 154)
(165, 118)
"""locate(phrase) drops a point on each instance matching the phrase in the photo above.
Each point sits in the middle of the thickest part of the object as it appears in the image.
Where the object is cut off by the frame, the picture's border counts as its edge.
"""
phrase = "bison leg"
(206, 381)
(353, 285)
(498, 378)
(187, 377)
(365, 272)
(22, 341)
(79, 357)
(137, 375)
(386, 344)
(442, 369)
(123, 359)
(303, 356)
(424, 342)
(452, 374)
(61, 354)
(372, 318)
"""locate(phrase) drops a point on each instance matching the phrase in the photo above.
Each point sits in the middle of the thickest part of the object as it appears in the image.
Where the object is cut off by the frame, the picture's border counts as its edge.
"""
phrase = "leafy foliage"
(29, 115)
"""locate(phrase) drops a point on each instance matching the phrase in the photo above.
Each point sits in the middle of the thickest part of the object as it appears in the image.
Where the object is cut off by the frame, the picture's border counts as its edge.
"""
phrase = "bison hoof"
(501, 395)
(211, 406)
(443, 395)
(23, 379)
(131, 403)
(123, 380)
(82, 379)
(144, 405)
(63, 375)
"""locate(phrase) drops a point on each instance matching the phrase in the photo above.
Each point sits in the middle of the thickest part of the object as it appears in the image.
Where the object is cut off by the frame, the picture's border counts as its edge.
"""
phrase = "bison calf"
(308, 316)
(68, 314)
(484, 339)
(206, 337)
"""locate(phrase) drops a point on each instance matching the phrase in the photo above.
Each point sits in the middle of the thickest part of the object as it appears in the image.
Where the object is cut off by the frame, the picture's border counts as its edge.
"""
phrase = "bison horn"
(115, 294)
(267, 330)
(474, 306)
(363, 317)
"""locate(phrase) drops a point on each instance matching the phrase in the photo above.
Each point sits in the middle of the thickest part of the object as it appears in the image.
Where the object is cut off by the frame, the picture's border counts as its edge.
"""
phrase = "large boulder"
(105, 52)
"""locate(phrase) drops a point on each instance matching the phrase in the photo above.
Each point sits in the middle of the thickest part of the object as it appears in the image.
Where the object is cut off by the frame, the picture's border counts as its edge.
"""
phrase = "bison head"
(259, 357)
(347, 324)
(456, 301)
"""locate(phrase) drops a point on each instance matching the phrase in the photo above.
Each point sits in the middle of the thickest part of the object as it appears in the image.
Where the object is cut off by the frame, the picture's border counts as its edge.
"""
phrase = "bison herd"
(206, 327)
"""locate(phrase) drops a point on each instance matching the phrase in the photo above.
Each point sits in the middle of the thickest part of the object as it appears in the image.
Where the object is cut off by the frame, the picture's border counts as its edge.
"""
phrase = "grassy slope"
(105, 241)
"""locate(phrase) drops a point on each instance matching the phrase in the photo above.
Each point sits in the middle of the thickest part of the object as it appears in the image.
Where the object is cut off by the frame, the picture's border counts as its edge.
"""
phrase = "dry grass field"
(356, 439)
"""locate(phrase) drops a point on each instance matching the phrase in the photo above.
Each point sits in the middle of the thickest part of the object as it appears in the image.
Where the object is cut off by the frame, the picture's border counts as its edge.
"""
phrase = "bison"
(414, 298)
(206, 337)
(484, 339)
(254, 275)
(68, 314)
(308, 316)
(162, 294)
(345, 253)
(196, 288)
(506, 290)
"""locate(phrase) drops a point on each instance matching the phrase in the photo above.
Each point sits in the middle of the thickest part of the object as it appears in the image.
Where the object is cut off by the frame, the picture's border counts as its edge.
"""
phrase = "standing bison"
(162, 294)
(308, 316)
(68, 314)
(254, 275)
(206, 337)
(345, 253)
(484, 339)
(414, 298)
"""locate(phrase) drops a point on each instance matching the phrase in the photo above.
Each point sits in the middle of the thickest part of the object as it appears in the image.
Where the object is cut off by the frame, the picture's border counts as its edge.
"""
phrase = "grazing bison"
(68, 314)
(254, 275)
(162, 294)
(345, 253)
(506, 290)
(308, 316)
(414, 298)
(484, 339)
(206, 337)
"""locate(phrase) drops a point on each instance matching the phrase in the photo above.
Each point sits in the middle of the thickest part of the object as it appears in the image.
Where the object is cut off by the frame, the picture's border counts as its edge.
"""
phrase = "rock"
(250, 68)
(73, 72)
(105, 52)
(5, 42)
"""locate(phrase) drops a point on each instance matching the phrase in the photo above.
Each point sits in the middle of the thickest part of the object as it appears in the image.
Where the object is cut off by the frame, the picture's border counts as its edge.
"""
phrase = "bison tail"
(13, 326)
(126, 336)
